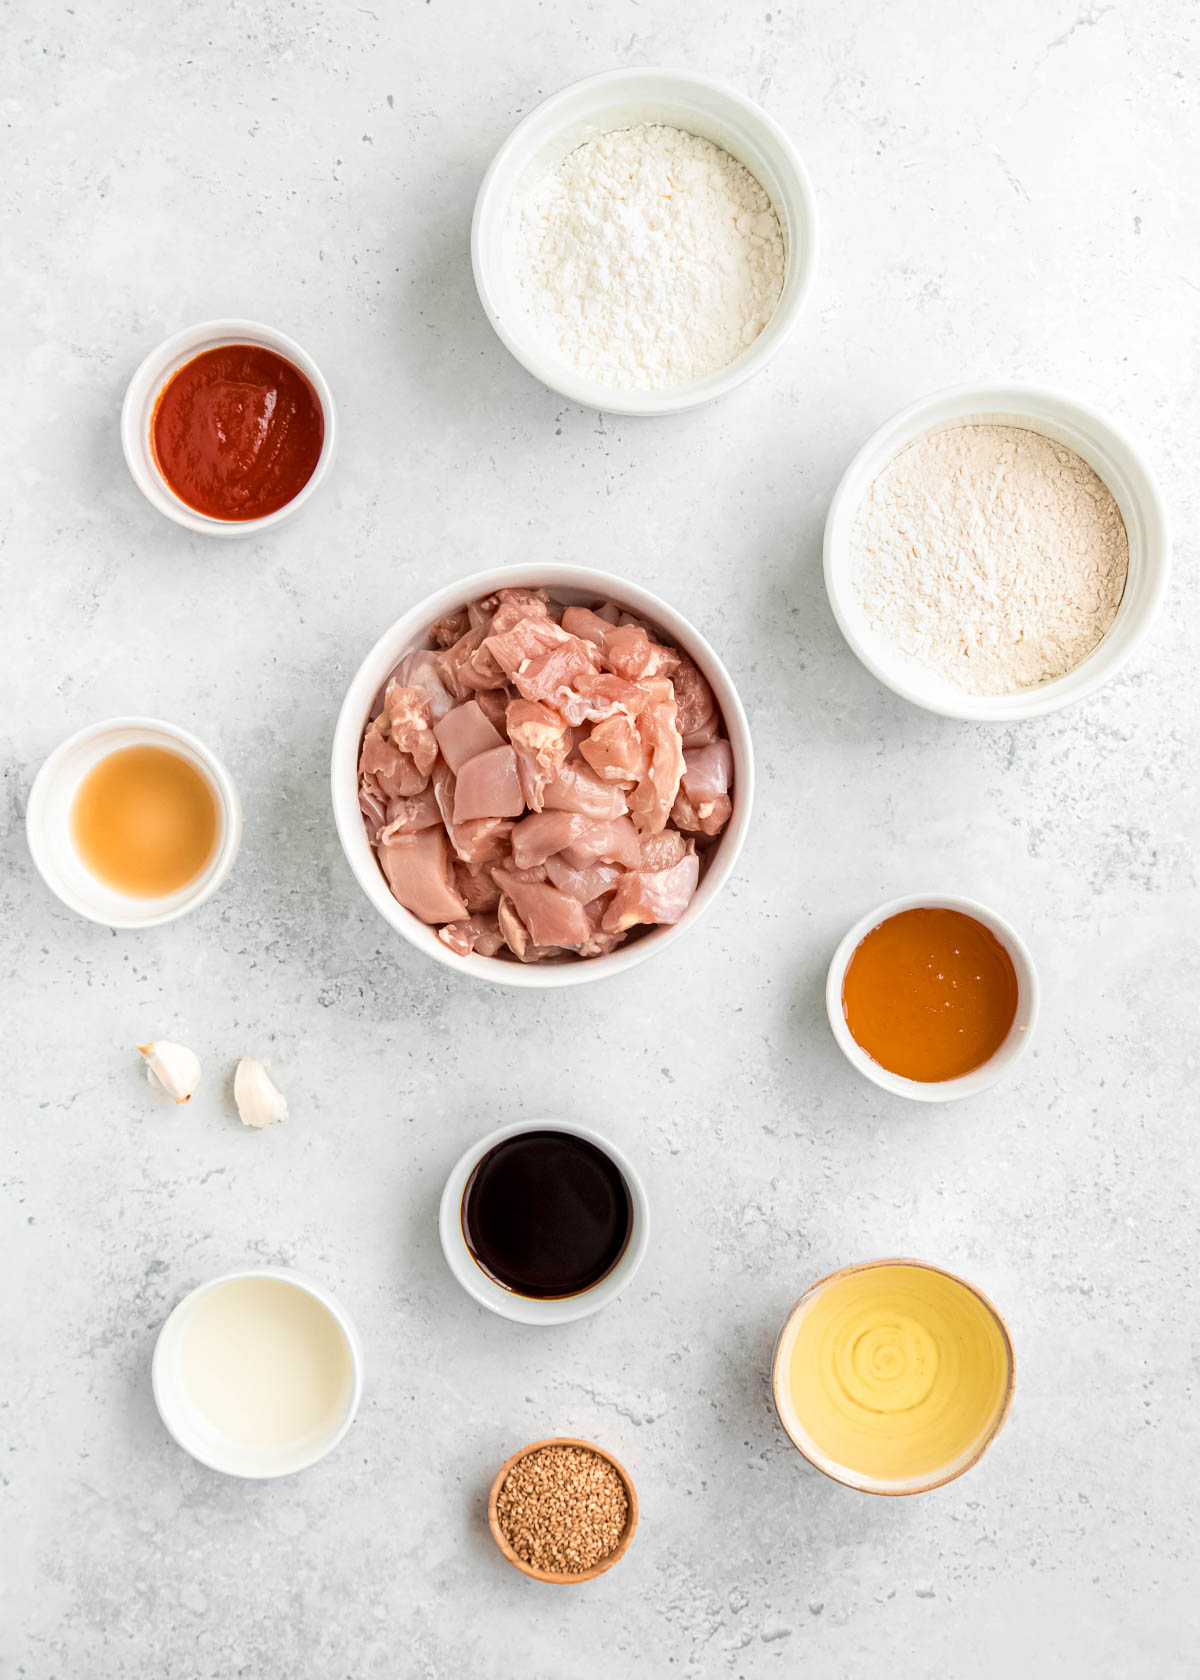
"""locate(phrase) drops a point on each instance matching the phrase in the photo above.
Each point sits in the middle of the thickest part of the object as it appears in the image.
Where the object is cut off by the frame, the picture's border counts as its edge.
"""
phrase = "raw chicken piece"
(475, 885)
(417, 868)
(703, 804)
(626, 649)
(615, 752)
(382, 763)
(411, 815)
(480, 933)
(524, 640)
(590, 839)
(704, 736)
(541, 741)
(584, 884)
(420, 669)
(488, 786)
(662, 851)
(408, 711)
(599, 942)
(658, 897)
(445, 631)
(373, 805)
(516, 935)
(464, 733)
(550, 916)
(651, 800)
(694, 698)
(493, 703)
(512, 605)
(578, 788)
(610, 612)
(468, 666)
(483, 841)
(545, 663)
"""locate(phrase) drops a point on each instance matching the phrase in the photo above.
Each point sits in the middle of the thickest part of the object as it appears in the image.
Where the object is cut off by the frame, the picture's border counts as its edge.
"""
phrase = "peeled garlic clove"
(172, 1068)
(259, 1101)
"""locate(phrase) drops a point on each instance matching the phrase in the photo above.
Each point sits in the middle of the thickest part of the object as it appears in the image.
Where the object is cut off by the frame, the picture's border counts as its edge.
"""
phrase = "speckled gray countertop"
(1005, 191)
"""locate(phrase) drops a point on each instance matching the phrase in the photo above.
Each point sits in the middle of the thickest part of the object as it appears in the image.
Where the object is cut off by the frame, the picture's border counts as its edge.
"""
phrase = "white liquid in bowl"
(265, 1363)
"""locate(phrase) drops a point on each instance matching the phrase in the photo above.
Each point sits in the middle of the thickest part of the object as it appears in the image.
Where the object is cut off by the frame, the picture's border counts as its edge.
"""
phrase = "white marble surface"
(1005, 190)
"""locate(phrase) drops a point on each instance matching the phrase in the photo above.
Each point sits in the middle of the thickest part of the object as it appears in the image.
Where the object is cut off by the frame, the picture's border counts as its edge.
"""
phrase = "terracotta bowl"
(555, 1577)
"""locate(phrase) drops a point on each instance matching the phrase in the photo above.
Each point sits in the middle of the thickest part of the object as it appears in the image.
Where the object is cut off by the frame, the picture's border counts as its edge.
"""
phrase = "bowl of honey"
(133, 822)
(932, 997)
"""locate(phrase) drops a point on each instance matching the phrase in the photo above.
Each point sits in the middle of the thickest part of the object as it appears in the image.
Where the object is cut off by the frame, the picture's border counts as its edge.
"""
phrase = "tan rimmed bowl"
(553, 1577)
(846, 1474)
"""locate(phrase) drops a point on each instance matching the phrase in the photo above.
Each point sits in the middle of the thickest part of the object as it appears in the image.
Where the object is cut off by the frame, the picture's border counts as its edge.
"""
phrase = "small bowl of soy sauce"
(544, 1221)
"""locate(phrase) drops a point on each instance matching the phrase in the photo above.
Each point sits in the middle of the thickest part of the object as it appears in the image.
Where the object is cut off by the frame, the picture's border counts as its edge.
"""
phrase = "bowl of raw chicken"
(542, 775)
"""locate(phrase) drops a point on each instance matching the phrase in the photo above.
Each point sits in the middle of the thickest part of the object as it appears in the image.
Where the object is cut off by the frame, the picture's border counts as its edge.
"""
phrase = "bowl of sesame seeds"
(562, 1511)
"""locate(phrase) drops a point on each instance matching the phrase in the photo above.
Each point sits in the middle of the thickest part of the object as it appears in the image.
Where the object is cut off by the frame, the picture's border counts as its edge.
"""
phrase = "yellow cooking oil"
(144, 821)
(897, 1371)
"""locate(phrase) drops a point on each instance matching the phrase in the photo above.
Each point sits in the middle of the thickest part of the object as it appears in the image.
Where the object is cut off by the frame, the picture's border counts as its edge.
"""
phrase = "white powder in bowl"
(648, 258)
(991, 555)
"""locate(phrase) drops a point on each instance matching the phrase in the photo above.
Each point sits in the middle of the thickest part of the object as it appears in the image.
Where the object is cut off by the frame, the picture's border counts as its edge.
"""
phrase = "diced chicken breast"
(381, 762)
(625, 649)
(479, 933)
(493, 703)
(693, 696)
(541, 740)
(615, 752)
(516, 935)
(651, 800)
(420, 669)
(662, 851)
(584, 840)
(468, 666)
(584, 884)
(488, 786)
(411, 815)
(409, 714)
(578, 788)
(445, 631)
(475, 886)
(417, 868)
(658, 897)
(464, 733)
(373, 804)
(551, 916)
(703, 805)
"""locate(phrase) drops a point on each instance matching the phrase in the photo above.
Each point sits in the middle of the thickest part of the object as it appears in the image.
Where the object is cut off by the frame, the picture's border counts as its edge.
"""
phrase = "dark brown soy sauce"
(546, 1214)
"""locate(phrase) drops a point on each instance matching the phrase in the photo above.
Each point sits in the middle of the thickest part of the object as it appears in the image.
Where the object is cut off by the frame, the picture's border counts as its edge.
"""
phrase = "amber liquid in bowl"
(144, 821)
(930, 994)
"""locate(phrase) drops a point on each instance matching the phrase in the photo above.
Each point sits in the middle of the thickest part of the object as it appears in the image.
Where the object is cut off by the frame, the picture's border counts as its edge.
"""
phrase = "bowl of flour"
(644, 241)
(996, 552)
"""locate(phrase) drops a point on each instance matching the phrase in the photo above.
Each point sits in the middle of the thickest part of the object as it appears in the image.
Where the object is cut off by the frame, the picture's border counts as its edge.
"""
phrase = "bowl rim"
(400, 637)
(162, 1388)
(987, 1074)
(936, 1480)
(150, 378)
(1025, 402)
(525, 1309)
(558, 1578)
(223, 858)
(558, 377)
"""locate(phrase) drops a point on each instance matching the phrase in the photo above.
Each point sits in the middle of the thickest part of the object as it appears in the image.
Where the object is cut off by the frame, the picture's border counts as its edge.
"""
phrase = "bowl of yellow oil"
(893, 1377)
(133, 822)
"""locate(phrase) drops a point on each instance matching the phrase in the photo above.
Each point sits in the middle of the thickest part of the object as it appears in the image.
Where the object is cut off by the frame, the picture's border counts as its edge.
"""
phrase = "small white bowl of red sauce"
(228, 428)
(932, 997)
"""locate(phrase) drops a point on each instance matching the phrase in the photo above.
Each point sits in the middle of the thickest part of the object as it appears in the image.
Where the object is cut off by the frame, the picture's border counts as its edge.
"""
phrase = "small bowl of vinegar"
(133, 822)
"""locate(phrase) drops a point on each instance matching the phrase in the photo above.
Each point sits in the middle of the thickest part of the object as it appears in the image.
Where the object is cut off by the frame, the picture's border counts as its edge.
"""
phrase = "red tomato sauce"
(237, 432)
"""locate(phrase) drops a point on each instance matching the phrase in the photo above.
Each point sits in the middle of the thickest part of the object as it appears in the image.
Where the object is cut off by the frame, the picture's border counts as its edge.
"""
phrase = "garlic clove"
(173, 1069)
(259, 1100)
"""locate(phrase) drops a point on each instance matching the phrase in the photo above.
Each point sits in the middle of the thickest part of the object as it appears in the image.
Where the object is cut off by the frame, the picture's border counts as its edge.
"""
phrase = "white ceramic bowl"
(522, 1308)
(1109, 451)
(48, 823)
(191, 1429)
(137, 413)
(946, 1090)
(621, 99)
(574, 585)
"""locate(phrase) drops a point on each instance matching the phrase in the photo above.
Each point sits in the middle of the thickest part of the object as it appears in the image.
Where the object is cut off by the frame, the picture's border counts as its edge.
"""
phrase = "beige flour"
(991, 555)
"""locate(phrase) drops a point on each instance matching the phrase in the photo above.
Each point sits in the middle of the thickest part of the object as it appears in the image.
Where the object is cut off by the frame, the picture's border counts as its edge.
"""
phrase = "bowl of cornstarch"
(644, 241)
(996, 552)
